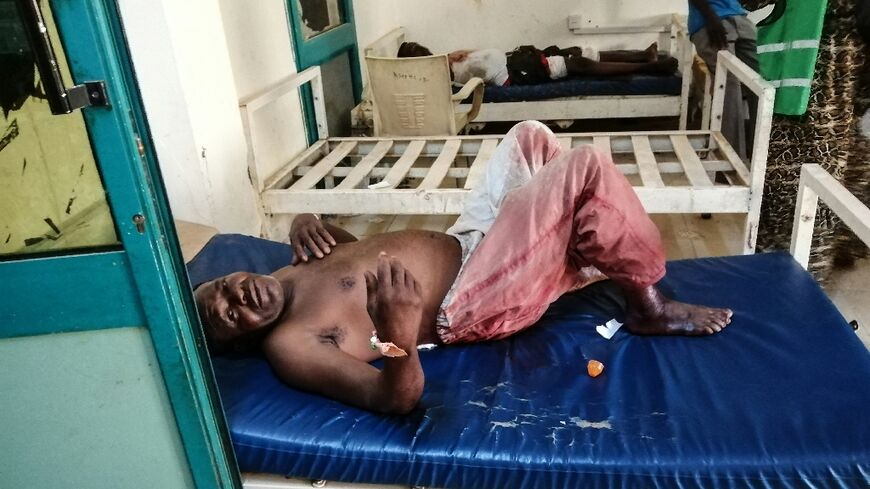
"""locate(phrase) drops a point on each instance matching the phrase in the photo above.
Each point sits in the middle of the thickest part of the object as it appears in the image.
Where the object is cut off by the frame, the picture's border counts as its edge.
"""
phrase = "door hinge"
(60, 99)
(88, 94)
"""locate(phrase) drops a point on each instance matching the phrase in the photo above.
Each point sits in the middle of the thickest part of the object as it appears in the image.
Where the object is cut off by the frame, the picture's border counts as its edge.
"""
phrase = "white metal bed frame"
(671, 170)
(815, 184)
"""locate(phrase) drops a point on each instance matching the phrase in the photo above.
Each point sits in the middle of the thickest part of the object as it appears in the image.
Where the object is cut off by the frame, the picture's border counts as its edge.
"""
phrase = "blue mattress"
(777, 400)
(587, 86)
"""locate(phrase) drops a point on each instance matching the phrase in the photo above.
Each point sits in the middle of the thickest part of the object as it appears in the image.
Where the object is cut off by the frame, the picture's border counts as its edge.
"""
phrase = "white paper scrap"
(381, 184)
(608, 329)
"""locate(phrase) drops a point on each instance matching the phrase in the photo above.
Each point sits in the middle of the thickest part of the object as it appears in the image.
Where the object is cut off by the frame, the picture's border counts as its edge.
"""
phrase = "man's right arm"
(303, 359)
(305, 362)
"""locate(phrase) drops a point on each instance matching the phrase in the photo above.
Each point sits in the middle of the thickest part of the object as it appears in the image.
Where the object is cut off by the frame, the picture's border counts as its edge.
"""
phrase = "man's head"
(238, 304)
(412, 50)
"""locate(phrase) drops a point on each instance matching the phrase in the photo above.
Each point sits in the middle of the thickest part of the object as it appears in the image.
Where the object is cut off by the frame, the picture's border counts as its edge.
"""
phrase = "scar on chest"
(346, 282)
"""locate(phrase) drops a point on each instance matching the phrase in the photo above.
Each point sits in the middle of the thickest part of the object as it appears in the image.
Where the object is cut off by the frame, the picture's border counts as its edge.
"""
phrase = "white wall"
(453, 24)
(373, 19)
(194, 61)
(261, 54)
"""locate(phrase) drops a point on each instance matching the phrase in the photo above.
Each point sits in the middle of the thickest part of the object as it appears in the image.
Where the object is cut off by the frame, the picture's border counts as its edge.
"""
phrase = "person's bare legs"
(647, 55)
(651, 313)
(585, 66)
(577, 202)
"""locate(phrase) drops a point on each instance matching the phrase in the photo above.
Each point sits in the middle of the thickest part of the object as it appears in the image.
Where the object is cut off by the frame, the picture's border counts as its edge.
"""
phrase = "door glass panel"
(319, 16)
(338, 94)
(51, 195)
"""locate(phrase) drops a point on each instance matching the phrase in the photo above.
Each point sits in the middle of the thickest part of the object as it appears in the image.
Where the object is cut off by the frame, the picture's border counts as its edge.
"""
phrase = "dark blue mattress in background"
(587, 86)
(777, 400)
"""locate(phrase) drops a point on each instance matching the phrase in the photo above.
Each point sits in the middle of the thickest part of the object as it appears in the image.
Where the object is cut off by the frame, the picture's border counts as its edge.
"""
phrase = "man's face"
(239, 303)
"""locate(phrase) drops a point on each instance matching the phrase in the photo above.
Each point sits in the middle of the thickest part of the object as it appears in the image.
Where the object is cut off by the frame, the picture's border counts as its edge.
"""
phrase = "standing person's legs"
(746, 50)
(732, 113)
(745, 47)
(577, 216)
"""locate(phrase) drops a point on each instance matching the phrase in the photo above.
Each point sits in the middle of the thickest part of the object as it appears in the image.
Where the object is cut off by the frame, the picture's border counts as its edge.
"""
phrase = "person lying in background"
(528, 65)
(542, 222)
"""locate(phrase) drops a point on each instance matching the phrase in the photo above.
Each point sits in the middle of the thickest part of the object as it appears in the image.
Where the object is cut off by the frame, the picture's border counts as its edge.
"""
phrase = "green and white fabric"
(788, 44)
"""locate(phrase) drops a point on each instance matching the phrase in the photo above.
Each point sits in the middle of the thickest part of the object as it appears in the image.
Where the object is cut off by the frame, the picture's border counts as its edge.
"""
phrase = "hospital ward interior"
(468, 244)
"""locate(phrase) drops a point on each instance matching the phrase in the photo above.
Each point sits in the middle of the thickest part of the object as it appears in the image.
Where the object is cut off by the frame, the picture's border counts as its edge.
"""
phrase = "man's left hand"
(307, 231)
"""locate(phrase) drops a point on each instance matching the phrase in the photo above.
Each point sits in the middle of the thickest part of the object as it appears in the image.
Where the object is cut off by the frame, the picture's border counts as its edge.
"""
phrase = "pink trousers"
(572, 220)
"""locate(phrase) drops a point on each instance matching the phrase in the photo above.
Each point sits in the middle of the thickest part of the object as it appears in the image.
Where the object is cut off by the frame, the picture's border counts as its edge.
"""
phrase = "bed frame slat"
(565, 142)
(323, 166)
(457, 172)
(646, 162)
(441, 165)
(403, 164)
(487, 148)
(365, 165)
(733, 157)
(281, 177)
(602, 143)
(691, 163)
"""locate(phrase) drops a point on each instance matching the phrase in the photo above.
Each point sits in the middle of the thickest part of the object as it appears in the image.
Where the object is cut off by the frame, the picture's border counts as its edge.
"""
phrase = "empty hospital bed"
(777, 400)
(673, 171)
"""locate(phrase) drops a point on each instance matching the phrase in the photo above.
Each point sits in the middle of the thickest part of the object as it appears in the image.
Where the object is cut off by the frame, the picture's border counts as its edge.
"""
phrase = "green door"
(324, 35)
(103, 378)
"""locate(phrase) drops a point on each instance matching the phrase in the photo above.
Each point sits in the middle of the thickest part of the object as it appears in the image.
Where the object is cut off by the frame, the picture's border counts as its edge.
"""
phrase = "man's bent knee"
(589, 156)
(529, 126)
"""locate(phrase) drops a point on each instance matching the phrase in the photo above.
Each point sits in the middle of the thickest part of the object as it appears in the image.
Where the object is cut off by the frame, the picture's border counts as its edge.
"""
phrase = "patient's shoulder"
(286, 341)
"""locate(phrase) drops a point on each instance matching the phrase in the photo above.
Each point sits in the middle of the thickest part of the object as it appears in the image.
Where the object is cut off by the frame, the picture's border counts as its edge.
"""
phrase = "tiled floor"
(684, 236)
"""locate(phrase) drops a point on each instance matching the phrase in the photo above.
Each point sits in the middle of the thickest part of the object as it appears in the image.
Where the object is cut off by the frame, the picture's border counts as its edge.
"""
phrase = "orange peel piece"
(594, 368)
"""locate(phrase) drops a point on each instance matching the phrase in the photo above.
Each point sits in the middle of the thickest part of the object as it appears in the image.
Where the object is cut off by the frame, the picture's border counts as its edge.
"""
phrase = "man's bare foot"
(652, 52)
(651, 313)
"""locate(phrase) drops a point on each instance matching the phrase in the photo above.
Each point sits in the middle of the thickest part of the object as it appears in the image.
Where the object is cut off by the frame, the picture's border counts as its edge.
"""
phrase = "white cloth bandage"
(556, 65)
(591, 53)
(487, 64)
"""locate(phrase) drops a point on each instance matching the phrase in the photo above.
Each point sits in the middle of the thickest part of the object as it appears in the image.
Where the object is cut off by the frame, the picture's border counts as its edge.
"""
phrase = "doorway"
(324, 35)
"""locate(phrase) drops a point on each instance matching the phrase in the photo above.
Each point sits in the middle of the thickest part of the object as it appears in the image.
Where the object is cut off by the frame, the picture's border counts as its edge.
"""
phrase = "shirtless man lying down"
(542, 222)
